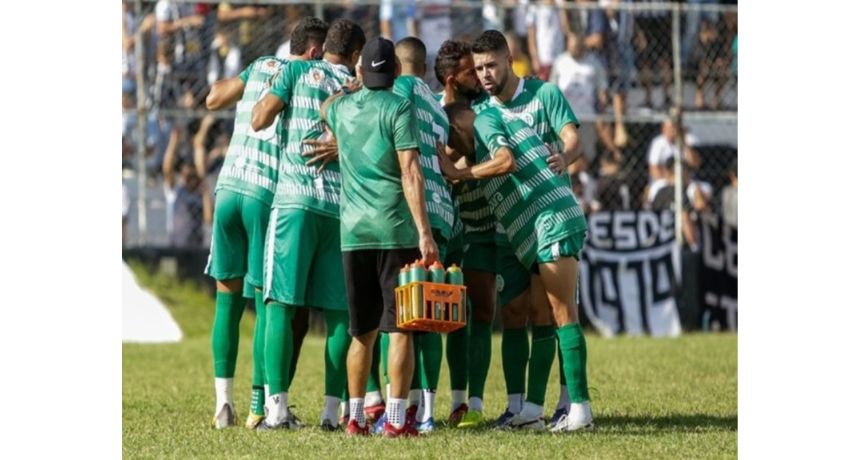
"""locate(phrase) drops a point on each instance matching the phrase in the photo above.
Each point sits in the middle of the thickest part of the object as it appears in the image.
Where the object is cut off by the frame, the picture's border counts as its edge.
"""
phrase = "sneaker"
(411, 413)
(224, 418)
(253, 420)
(380, 424)
(406, 431)
(557, 415)
(426, 426)
(579, 418)
(472, 419)
(457, 415)
(295, 422)
(264, 426)
(504, 419)
(353, 429)
(373, 413)
(521, 422)
(328, 425)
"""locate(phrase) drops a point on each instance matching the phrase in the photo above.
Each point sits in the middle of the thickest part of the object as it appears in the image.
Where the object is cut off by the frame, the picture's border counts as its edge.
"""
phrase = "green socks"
(457, 354)
(540, 364)
(259, 376)
(515, 356)
(336, 346)
(480, 349)
(279, 345)
(383, 356)
(430, 346)
(572, 345)
(225, 332)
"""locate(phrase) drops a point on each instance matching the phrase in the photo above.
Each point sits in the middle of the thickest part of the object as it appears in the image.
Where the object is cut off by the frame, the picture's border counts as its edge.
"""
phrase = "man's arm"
(265, 111)
(413, 190)
(502, 163)
(198, 144)
(170, 159)
(225, 93)
(570, 151)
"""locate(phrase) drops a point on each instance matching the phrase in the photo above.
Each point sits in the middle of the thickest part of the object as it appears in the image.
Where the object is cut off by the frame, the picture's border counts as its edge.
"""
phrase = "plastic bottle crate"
(441, 307)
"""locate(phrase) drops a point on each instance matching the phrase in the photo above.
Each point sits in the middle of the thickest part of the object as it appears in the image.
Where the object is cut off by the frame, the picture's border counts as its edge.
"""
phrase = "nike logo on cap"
(377, 64)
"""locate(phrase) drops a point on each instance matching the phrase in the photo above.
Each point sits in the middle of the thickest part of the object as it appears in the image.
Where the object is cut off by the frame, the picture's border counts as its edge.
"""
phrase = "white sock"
(356, 410)
(531, 410)
(414, 397)
(395, 410)
(266, 391)
(387, 391)
(223, 392)
(580, 412)
(429, 405)
(330, 405)
(457, 397)
(563, 397)
(373, 398)
(515, 402)
(344, 410)
(476, 403)
(276, 408)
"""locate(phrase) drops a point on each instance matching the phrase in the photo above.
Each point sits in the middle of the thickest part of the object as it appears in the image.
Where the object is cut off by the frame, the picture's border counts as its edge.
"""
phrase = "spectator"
(180, 49)
(434, 27)
(397, 19)
(653, 42)
(254, 27)
(493, 15)
(522, 64)
(613, 191)
(663, 148)
(189, 203)
(729, 196)
(661, 196)
(583, 185)
(692, 20)
(225, 59)
(582, 79)
(546, 32)
(710, 62)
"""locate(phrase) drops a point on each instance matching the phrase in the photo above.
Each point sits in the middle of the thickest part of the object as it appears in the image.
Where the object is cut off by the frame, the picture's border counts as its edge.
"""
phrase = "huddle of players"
(513, 224)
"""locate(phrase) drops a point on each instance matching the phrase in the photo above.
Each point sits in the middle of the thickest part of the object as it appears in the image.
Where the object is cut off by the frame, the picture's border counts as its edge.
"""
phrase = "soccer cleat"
(295, 422)
(426, 426)
(373, 413)
(406, 431)
(457, 414)
(560, 412)
(579, 418)
(380, 424)
(264, 426)
(354, 429)
(504, 419)
(521, 422)
(253, 420)
(224, 418)
(411, 413)
(328, 425)
(344, 419)
(472, 419)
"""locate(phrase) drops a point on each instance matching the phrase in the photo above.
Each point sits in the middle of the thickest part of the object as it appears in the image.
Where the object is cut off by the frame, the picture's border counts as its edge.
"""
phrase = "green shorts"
(303, 264)
(570, 246)
(480, 256)
(512, 277)
(238, 232)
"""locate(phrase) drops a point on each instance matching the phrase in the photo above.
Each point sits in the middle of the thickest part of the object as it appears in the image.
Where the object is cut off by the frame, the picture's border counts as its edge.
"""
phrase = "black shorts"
(371, 277)
(658, 34)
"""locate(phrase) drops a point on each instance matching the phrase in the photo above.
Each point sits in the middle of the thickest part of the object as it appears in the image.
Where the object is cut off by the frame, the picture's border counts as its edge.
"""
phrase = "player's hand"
(324, 151)
(557, 162)
(448, 169)
(352, 86)
(429, 250)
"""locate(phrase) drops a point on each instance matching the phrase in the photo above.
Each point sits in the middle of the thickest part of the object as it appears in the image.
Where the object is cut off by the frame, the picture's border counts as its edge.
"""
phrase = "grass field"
(651, 398)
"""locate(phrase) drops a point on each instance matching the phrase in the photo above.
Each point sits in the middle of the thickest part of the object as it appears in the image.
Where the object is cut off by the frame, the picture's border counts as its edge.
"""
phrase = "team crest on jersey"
(317, 75)
(270, 67)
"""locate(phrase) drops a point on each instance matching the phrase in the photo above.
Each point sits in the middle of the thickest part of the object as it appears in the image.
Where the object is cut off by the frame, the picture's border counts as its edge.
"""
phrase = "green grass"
(651, 398)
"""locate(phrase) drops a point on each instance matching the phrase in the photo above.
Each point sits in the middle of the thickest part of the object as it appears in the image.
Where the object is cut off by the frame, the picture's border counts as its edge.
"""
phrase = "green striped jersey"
(535, 206)
(303, 86)
(432, 128)
(251, 164)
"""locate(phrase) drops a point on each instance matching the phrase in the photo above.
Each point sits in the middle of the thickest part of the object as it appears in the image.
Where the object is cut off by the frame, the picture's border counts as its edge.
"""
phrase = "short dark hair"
(344, 37)
(411, 51)
(309, 31)
(490, 41)
(448, 58)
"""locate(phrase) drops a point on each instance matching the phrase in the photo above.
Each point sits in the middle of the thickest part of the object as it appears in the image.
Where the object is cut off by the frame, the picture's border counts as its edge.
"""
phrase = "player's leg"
(286, 273)
(430, 345)
(299, 326)
(336, 348)
(559, 275)
(457, 345)
(228, 266)
(540, 362)
(374, 404)
(512, 283)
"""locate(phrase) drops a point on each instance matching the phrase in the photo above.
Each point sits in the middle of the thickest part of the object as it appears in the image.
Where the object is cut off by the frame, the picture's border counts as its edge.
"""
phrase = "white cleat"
(578, 418)
(224, 418)
(522, 422)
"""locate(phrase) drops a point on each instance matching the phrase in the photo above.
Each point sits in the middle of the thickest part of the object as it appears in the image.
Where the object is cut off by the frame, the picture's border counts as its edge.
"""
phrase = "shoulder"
(404, 86)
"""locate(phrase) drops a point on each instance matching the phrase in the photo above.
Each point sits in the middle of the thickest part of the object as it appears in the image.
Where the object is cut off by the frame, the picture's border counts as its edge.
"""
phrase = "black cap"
(378, 63)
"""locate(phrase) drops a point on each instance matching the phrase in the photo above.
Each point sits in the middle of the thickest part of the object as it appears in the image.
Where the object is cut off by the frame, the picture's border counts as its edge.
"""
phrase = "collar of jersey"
(340, 67)
(521, 87)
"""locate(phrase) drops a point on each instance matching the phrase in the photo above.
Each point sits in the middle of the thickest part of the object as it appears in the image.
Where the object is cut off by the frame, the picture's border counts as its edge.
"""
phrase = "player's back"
(304, 86)
(251, 164)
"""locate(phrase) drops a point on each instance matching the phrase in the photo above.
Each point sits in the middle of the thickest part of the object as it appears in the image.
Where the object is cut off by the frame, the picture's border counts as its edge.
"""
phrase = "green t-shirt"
(251, 164)
(370, 128)
(432, 128)
(303, 86)
(535, 206)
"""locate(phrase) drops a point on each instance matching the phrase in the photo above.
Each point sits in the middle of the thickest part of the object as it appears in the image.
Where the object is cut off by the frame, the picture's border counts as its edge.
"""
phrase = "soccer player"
(455, 71)
(244, 194)
(544, 224)
(384, 225)
(302, 258)
(543, 107)
(432, 131)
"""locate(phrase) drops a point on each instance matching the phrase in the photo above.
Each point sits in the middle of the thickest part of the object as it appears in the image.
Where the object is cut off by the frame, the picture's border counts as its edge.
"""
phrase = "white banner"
(628, 273)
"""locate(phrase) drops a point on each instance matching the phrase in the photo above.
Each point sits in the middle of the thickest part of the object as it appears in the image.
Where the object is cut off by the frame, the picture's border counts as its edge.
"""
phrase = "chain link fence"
(653, 83)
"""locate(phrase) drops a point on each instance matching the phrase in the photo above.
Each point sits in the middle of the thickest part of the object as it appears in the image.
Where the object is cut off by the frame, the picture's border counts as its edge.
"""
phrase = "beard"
(469, 93)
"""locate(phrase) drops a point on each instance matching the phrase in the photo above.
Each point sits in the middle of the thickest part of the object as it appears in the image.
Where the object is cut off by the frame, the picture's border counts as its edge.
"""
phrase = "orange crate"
(431, 307)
